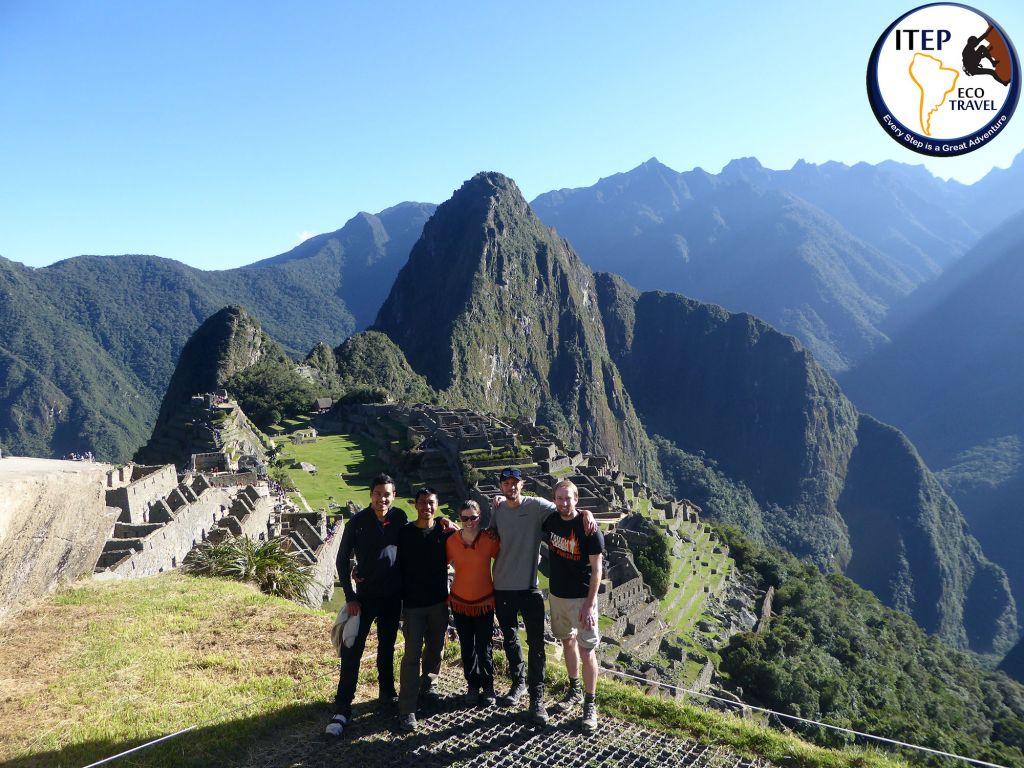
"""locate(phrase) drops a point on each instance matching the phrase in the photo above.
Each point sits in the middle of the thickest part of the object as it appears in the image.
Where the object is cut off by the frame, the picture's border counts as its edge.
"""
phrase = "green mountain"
(752, 399)
(501, 315)
(952, 378)
(829, 484)
(229, 351)
(88, 345)
(370, 362)
(743, 414)
(832, 652)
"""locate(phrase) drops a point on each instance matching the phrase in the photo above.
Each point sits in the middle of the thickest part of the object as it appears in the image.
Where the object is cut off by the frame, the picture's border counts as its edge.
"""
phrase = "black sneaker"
(487, 698)
(538, 712)
(429, 696)
(515, 693)
(408, 723)
(473, 697)
(573, 697)
(387, 700)
(589, 722)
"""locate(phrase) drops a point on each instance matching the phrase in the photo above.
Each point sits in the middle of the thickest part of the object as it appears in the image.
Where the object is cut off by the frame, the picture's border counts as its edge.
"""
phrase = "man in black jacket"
(371, 535)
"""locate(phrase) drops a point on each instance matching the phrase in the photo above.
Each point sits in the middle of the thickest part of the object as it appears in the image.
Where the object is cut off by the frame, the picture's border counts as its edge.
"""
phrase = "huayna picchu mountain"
(500, 314)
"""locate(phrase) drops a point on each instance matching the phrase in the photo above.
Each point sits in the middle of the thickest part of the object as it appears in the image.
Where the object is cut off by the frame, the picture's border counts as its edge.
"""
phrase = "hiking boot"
(589, 721)
(408, 723)
(515, 693)
(538, 712)
(429, 696)
(573, 697)
(487, 697)
(337, 726)
(473, 697)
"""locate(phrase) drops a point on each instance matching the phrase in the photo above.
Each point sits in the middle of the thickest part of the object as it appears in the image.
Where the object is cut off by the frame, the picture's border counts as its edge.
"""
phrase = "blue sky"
(220, 133)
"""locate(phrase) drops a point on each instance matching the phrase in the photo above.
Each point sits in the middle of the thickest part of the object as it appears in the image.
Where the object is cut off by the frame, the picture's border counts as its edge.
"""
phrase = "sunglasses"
(471, 519)
(507, 473)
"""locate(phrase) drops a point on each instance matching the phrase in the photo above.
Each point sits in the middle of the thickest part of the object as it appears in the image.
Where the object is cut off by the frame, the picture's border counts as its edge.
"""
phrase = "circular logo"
(943, 79)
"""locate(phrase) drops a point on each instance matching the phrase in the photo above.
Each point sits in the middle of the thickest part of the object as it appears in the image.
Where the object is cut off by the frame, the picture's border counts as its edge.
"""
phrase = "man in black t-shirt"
(424, 564)
(575, 559)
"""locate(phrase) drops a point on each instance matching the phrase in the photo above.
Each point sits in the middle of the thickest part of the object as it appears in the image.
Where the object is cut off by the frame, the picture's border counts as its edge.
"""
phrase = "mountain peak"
(488, 183)
(517, 330)
(743, 168)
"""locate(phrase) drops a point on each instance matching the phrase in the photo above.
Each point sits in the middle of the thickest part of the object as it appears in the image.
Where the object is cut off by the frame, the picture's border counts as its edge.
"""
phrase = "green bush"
(267, 564)
(654, 562)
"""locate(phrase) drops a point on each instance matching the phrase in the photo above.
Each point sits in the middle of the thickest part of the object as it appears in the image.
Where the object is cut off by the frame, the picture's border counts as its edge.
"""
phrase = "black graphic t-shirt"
(569, 549)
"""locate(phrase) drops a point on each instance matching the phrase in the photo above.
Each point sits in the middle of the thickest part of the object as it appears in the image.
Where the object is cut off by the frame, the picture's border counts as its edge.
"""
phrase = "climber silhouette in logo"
(989, 47)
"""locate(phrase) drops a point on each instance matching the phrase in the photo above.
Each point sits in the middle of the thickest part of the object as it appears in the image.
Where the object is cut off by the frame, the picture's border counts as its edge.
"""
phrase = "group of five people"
(401, 574)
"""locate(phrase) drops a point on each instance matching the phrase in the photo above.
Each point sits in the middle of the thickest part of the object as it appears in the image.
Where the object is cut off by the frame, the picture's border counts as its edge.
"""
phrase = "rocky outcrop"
(53, 524)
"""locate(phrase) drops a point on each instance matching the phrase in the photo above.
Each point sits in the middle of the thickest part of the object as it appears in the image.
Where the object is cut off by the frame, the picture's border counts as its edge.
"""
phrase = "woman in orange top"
(472, 602)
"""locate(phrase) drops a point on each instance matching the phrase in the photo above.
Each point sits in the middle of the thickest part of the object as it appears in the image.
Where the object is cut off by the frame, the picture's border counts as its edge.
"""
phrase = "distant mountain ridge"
(952, 379)
(822, 252)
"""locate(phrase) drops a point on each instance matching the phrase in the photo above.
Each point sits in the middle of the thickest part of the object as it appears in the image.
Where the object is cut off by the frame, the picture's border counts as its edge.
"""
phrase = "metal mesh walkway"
(452, 734)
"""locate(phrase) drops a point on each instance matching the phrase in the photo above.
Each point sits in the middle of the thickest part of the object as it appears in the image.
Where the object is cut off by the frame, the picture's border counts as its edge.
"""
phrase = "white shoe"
(336, 726)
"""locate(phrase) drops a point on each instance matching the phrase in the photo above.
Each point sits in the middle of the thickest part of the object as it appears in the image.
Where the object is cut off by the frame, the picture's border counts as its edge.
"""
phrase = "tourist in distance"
(372, 535)
(517, 519)
(575, 557)
(424, 565)
(472, 602)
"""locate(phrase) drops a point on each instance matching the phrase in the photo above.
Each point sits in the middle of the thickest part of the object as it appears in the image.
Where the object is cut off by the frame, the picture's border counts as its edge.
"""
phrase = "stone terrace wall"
(188, 515)
(145, 485)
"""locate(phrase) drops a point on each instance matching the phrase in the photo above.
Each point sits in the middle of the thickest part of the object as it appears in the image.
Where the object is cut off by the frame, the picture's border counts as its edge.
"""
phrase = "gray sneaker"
(589, 722)
(538, 712)
(515, 693)
(408, 723)
(573, 697)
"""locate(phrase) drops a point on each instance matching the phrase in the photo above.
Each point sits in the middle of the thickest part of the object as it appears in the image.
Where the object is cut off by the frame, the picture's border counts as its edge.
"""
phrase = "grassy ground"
(345, 466)
(104, 666)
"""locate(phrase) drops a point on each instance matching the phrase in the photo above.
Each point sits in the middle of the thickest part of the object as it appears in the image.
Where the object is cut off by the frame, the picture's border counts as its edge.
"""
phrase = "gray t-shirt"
(520, 532)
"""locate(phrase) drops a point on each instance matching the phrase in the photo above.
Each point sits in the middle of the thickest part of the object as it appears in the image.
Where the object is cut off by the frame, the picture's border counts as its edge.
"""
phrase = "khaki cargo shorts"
(565, 622)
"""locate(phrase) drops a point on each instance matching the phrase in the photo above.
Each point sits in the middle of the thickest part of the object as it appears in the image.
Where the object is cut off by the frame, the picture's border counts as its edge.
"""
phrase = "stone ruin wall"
(193, 511)
(134, 488)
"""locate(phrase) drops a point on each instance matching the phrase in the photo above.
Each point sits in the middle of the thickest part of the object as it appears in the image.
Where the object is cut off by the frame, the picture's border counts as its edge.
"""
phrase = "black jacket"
(375, 547)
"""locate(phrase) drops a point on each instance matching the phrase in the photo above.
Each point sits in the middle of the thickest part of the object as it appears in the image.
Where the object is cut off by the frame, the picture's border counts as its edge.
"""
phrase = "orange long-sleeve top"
(472, 592)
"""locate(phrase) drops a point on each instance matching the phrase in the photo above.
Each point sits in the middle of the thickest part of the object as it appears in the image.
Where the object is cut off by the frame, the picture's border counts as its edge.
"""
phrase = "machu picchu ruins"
(458, 452)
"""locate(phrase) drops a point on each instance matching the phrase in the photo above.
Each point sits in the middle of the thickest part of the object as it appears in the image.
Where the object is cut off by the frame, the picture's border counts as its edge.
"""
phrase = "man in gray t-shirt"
(517, 519)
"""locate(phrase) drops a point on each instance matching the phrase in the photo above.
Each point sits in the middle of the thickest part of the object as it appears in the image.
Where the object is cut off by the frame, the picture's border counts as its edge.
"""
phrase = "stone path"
(453, 735)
